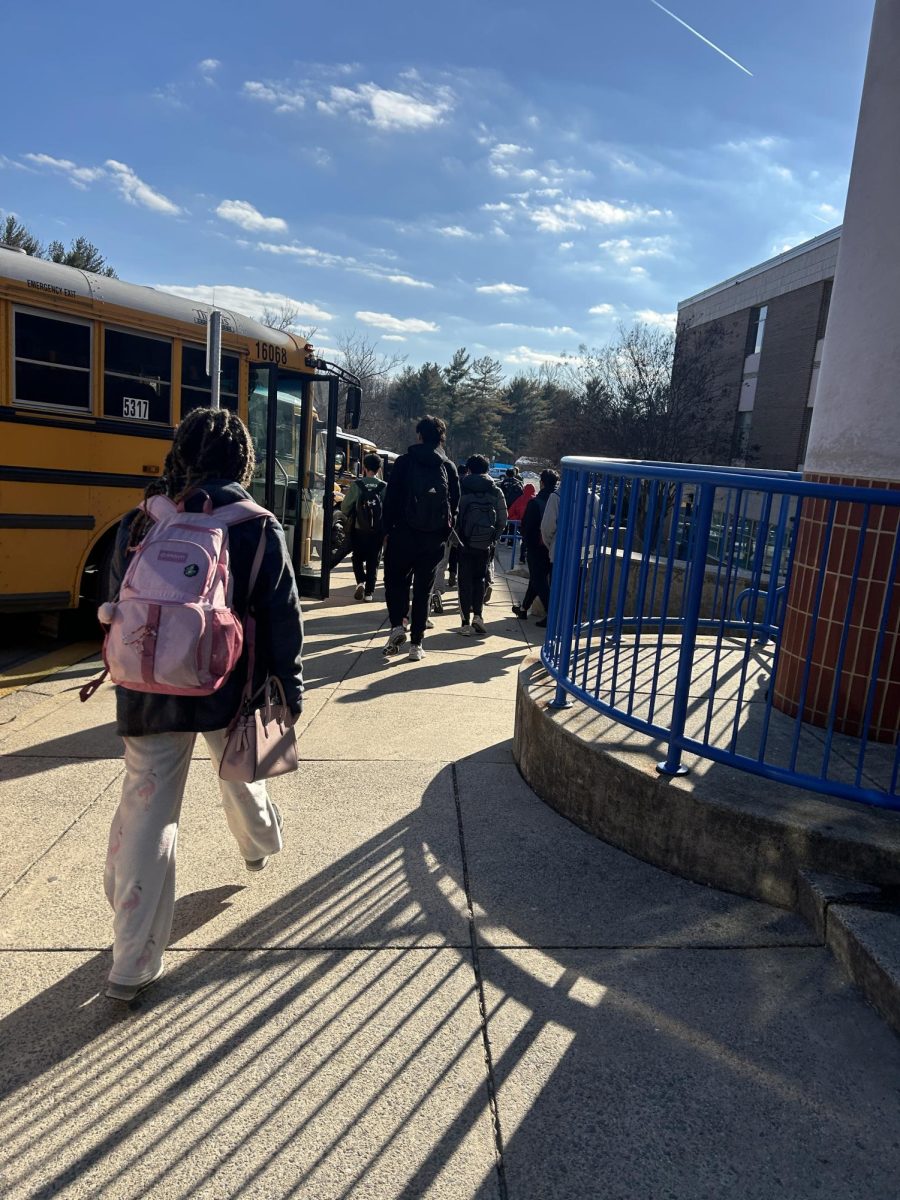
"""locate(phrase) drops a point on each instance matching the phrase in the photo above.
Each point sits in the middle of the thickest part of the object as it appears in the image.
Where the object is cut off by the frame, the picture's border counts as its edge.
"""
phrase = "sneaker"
(520, 612)
(368, 597)
(396, 638)
(429, 624)
(542, 624)
(478, 624)
(360, 591)
(451, 581)
(416, 653)
(488, 592)
(260, 864)
(126, 992)
(466, 630)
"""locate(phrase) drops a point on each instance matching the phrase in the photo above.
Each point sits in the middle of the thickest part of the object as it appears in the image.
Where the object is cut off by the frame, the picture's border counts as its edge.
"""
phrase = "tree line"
(631, 398)
(81, 253)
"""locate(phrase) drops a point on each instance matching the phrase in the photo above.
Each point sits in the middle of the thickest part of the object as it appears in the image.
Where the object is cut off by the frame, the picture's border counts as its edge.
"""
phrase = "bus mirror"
(354, 406)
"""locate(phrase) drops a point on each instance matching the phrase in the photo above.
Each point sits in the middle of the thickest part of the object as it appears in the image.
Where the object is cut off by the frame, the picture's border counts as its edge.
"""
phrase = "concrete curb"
(826, 859)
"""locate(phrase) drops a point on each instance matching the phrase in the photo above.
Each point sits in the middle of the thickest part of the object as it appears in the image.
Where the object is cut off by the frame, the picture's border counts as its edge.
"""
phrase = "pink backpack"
(172, 629)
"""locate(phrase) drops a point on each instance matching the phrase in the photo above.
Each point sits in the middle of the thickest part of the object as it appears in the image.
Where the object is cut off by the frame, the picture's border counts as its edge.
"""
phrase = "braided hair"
(208, 444)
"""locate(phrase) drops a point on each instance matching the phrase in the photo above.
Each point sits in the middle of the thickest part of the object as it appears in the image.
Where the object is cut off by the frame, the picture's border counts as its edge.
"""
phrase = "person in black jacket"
(212, 456)
(420, 506)
(536, 553)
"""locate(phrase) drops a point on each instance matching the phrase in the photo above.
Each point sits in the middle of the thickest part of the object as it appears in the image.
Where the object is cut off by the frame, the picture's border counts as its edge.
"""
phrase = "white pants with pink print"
(139, 877)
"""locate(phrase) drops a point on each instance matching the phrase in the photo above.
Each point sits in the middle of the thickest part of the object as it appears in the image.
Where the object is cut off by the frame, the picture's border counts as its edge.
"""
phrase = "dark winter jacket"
(530, 528)
(279, 630)
(511, 488)
(397, 494)
(474, 489)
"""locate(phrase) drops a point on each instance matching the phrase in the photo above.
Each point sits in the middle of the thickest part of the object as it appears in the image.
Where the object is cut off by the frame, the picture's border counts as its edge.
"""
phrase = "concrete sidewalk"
(440, 988)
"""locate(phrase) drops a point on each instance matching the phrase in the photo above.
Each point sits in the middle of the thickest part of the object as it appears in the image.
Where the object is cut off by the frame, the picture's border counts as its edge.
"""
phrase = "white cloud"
(323, 258)
(576, 214)
(455, 231)
(208, 66)
(246, 300)
(525, 356)
(392, 337)
(136, 191)
(408, 281)
(651, 317)
(284, 99)
(386, 109)
(626, 251)
(242, 212)
(550, 330)
(501, 207)
(79, 176)
(501, 289)
(566, 245)
(602, 310)
(396, 324)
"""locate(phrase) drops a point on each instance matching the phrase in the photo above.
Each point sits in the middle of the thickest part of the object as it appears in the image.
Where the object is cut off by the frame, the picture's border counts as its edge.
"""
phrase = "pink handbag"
(261, 742)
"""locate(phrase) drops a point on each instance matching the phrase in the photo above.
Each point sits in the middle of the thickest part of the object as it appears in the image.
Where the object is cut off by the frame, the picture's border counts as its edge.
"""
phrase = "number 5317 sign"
(139, 410)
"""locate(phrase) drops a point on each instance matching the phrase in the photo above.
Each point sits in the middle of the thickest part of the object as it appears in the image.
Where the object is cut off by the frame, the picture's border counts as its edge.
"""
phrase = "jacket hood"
(477, 483)
(220, 491)
(529, 491)
(423, 453)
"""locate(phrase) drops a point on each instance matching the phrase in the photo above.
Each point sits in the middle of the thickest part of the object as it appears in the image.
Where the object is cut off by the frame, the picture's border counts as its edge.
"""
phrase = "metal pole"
(214, 357)
(701, 516)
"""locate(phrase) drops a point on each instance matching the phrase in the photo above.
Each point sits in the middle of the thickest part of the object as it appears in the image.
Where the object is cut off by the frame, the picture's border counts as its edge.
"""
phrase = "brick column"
(855, 438)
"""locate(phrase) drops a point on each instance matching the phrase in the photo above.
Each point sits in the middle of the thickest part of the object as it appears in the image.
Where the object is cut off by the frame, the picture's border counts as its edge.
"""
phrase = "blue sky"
(515, 178)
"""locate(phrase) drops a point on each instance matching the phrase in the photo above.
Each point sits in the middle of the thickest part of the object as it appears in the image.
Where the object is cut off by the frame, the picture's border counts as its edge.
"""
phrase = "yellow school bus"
(94, 375)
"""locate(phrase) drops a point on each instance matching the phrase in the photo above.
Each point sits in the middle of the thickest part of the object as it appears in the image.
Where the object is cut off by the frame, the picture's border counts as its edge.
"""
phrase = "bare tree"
(361, 357)
(284, 318)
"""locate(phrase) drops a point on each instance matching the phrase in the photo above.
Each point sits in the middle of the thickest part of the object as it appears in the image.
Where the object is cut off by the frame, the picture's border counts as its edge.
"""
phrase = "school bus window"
(53, 362)
(195, 389)
(137, 378)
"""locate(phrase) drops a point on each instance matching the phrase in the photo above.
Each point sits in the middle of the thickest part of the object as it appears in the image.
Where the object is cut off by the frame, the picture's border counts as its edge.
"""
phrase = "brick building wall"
(763, 400)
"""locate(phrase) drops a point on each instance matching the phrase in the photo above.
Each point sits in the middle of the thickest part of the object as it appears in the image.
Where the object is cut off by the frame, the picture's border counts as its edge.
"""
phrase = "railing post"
(564, 589)
(701, 517)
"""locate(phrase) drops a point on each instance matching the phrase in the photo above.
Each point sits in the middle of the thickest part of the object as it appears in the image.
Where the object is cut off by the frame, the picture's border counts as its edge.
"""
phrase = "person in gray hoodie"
(482, 518)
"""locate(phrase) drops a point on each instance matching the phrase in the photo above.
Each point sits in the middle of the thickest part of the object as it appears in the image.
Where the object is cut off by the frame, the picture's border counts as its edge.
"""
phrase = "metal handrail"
(671, 584)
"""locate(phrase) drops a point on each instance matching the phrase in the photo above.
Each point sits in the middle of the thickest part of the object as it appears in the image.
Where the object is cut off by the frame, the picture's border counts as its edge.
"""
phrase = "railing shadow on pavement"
(330, 1045)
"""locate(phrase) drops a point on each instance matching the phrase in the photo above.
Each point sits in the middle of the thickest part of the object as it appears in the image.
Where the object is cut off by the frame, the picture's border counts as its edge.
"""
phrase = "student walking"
(363, 506)
(536, 552)
(209, 467)
(482, 518)
(420, 506)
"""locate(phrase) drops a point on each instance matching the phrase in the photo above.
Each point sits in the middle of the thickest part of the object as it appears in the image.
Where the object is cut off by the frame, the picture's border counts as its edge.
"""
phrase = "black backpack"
(428, 496)
(368, 516)
(477, 524)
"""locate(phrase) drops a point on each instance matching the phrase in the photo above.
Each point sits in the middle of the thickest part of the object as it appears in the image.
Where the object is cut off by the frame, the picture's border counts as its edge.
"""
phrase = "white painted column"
(855, 429)
(855, 438)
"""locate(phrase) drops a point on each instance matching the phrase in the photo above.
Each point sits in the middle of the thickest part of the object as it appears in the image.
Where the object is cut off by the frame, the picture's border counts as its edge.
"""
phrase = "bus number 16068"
(266, 352)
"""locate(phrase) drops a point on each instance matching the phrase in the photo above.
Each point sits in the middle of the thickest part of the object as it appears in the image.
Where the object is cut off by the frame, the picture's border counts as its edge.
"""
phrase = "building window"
(757, 329)
(53, 362)
(195, 383)
(137, 377)
(741, 439)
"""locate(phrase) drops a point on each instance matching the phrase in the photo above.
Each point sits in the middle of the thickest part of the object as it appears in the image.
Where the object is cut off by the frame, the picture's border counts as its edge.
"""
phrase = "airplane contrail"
(696, 33)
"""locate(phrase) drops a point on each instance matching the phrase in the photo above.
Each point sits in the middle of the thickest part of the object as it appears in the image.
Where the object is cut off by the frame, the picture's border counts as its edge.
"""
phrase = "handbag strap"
(249, 621)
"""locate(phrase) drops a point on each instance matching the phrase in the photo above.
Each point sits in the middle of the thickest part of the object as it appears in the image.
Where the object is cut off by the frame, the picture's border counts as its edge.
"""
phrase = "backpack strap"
(160, 508)
(239, 511)
(249, 621)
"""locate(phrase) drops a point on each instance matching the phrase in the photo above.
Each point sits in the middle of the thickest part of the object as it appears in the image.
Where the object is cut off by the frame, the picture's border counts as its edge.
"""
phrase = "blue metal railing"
(670, 589)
